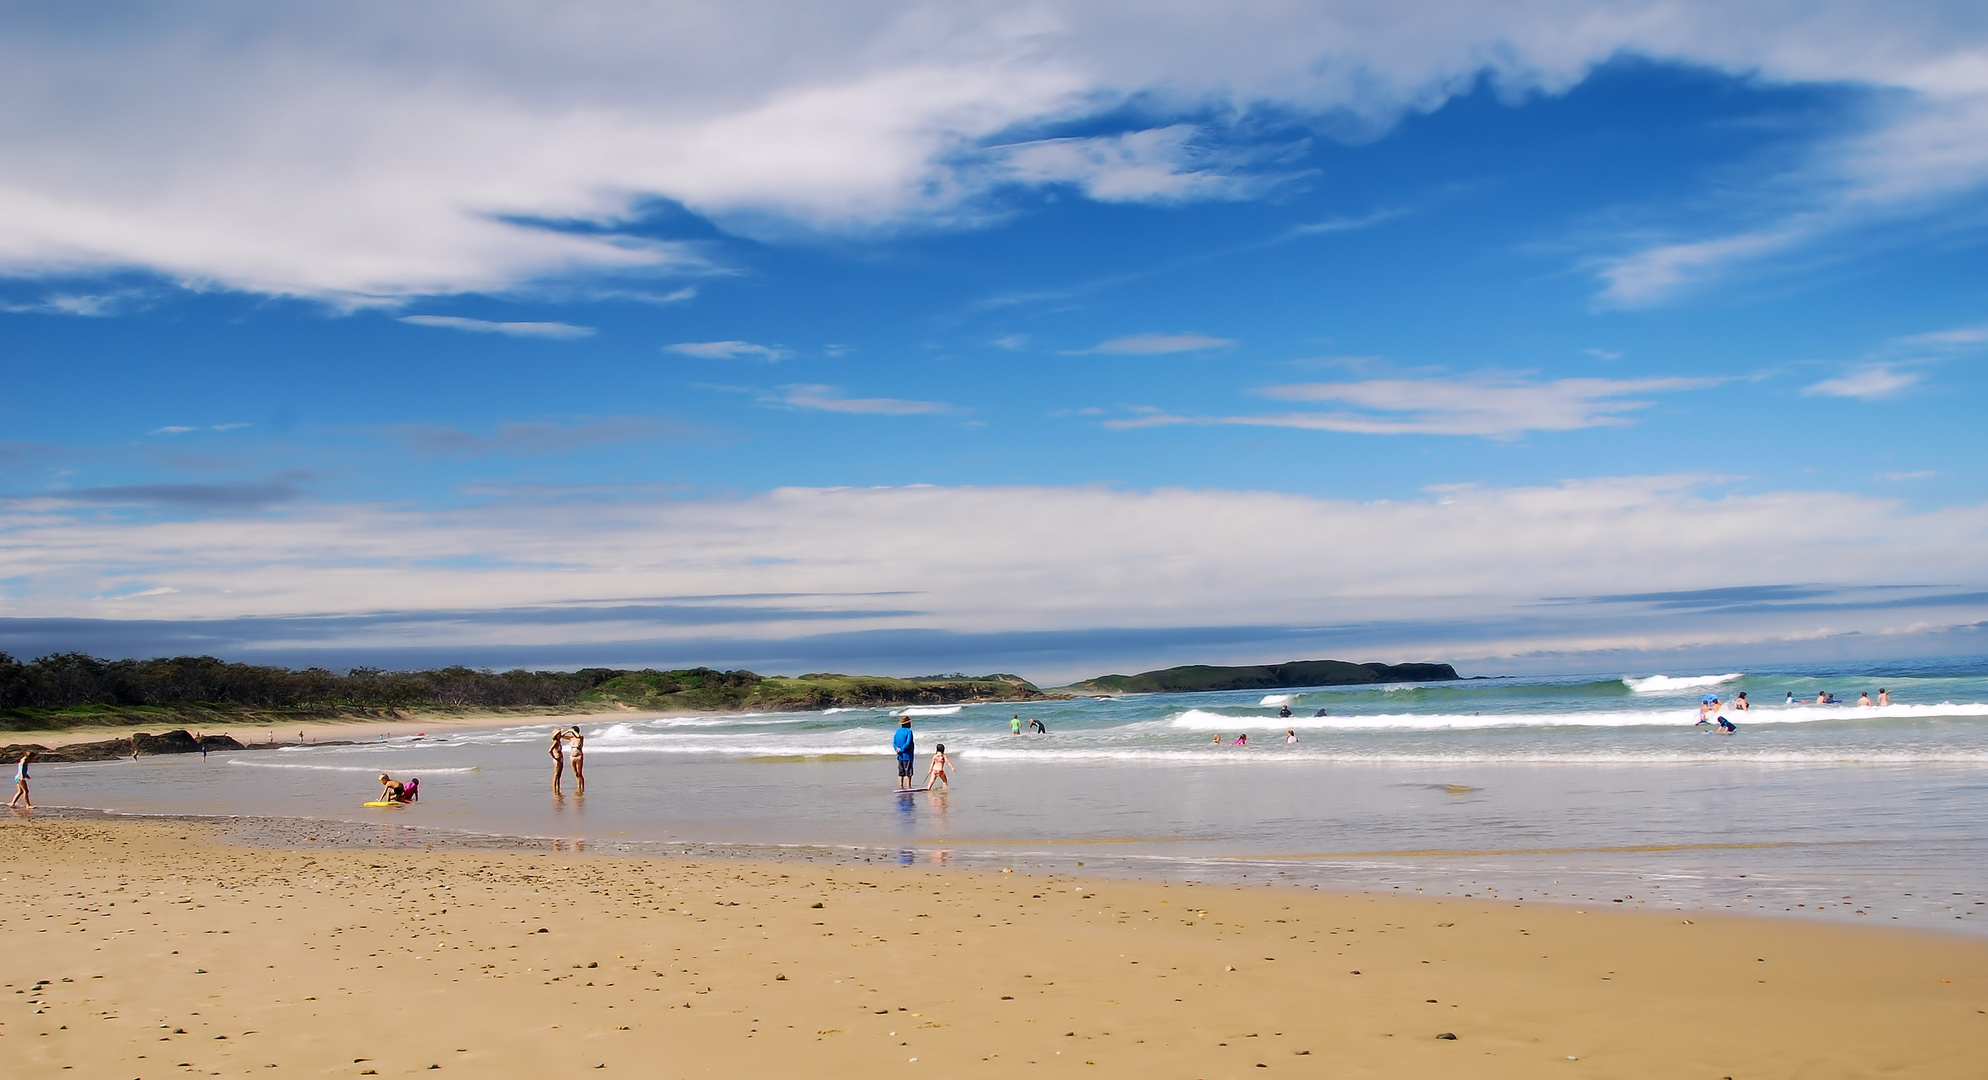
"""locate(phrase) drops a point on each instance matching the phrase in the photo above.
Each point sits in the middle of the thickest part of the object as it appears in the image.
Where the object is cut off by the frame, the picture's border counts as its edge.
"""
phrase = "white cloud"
(830, 399)
(728, 350)
(372, 151)
(1156, 345)
(1490, 406)
(1661, 273)
(172, 429)
(562, 331)
(1871, 383)
(1062, 558)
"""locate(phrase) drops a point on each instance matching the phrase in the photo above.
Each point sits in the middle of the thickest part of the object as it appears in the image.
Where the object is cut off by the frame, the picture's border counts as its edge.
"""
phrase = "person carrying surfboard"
(906, 751)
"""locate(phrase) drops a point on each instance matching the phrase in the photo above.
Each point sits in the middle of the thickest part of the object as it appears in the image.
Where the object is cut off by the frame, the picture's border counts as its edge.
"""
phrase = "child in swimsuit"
(411, 791)
(940, 768)
(390, 788)
(21, 783)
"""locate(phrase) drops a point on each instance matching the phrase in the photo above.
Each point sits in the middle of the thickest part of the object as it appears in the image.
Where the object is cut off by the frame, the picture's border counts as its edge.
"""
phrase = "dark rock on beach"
(172, 742)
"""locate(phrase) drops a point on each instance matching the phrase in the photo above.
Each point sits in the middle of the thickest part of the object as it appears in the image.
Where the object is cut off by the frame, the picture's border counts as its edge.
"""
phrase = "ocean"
(1583, 789)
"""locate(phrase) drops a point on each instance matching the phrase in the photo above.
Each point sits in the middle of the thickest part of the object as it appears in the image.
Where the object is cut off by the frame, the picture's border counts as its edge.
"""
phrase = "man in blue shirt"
(901, 742)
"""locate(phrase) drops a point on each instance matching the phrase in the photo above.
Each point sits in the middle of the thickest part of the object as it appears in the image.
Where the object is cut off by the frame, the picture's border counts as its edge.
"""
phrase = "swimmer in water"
(1241, 740)
(1884, 696)
(1290, 738)
(1740, 703)
(1218, 739)
(1036, 728)
(940, 769)
(1864, 700)
(1791, 697)
(1015, 725)
(1707, 709)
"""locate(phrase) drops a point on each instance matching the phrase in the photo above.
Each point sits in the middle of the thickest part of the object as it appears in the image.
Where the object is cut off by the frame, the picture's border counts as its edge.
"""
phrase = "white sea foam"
(1203, 720)
(1278, 699)
(928, 710)
(1671, 684)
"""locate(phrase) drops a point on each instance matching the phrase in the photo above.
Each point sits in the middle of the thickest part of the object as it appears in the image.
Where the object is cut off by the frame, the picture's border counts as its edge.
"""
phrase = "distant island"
(72, 690)
(1203, 678)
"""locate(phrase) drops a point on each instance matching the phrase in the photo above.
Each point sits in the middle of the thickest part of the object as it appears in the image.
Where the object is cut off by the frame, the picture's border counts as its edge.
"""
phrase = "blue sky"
(1047, 338)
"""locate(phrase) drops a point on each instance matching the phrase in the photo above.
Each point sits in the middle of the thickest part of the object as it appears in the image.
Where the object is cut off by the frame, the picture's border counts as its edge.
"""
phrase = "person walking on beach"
(21, 799)
(907, 750)
(940, 770)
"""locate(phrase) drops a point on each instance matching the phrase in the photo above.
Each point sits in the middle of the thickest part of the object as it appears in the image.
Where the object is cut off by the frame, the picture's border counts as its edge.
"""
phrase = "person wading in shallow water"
(558, 752)
(21, 784)
(579, 754)
(907, 751)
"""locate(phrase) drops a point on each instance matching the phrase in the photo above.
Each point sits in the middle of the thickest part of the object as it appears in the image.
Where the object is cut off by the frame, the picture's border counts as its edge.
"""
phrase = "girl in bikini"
(942, 766)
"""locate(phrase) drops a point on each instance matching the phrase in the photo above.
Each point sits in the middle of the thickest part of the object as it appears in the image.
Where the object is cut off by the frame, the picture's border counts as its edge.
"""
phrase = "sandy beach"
(319, 730)
(144, 949)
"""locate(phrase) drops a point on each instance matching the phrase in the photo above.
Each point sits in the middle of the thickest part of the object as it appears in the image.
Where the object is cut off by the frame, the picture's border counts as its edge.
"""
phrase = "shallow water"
(1586, 788)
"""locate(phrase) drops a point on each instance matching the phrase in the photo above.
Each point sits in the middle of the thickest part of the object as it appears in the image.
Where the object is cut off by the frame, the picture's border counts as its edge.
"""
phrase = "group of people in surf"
(1711, 713)
(1824, 697)
(1034, 727)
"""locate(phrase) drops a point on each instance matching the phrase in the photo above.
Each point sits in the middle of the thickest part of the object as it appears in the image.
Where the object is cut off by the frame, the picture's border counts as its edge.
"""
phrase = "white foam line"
(344, 768)
(1203, 720)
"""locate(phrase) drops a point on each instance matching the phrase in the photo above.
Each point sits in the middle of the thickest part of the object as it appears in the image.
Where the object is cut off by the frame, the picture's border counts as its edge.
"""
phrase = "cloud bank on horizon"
(1419, 328)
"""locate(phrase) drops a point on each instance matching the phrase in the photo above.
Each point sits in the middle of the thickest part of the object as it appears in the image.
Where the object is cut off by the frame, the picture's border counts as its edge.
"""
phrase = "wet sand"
(148, 950)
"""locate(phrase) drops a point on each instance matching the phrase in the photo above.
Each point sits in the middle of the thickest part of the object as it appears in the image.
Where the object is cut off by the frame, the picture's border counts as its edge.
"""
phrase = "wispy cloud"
(1154, 345)
(1488, 406)
(529, 439)
(1659, 274)
(182, 429)
(1173, 163)
(1870, 383)
(830, 399)
(558, 330)
(83, 305)
(728, 350)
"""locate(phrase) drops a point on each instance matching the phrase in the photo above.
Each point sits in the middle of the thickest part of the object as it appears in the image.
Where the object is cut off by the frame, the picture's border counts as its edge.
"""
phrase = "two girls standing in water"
(560, 753)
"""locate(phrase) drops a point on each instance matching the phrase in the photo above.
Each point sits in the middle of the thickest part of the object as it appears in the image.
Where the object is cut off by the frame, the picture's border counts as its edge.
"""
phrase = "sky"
(1053, 338)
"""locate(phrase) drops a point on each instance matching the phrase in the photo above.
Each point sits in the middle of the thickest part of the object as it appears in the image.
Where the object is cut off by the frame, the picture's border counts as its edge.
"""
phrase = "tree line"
(71, 680)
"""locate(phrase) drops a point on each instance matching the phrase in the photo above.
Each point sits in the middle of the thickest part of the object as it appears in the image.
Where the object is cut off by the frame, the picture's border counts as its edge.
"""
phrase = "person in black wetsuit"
(1036, 728)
